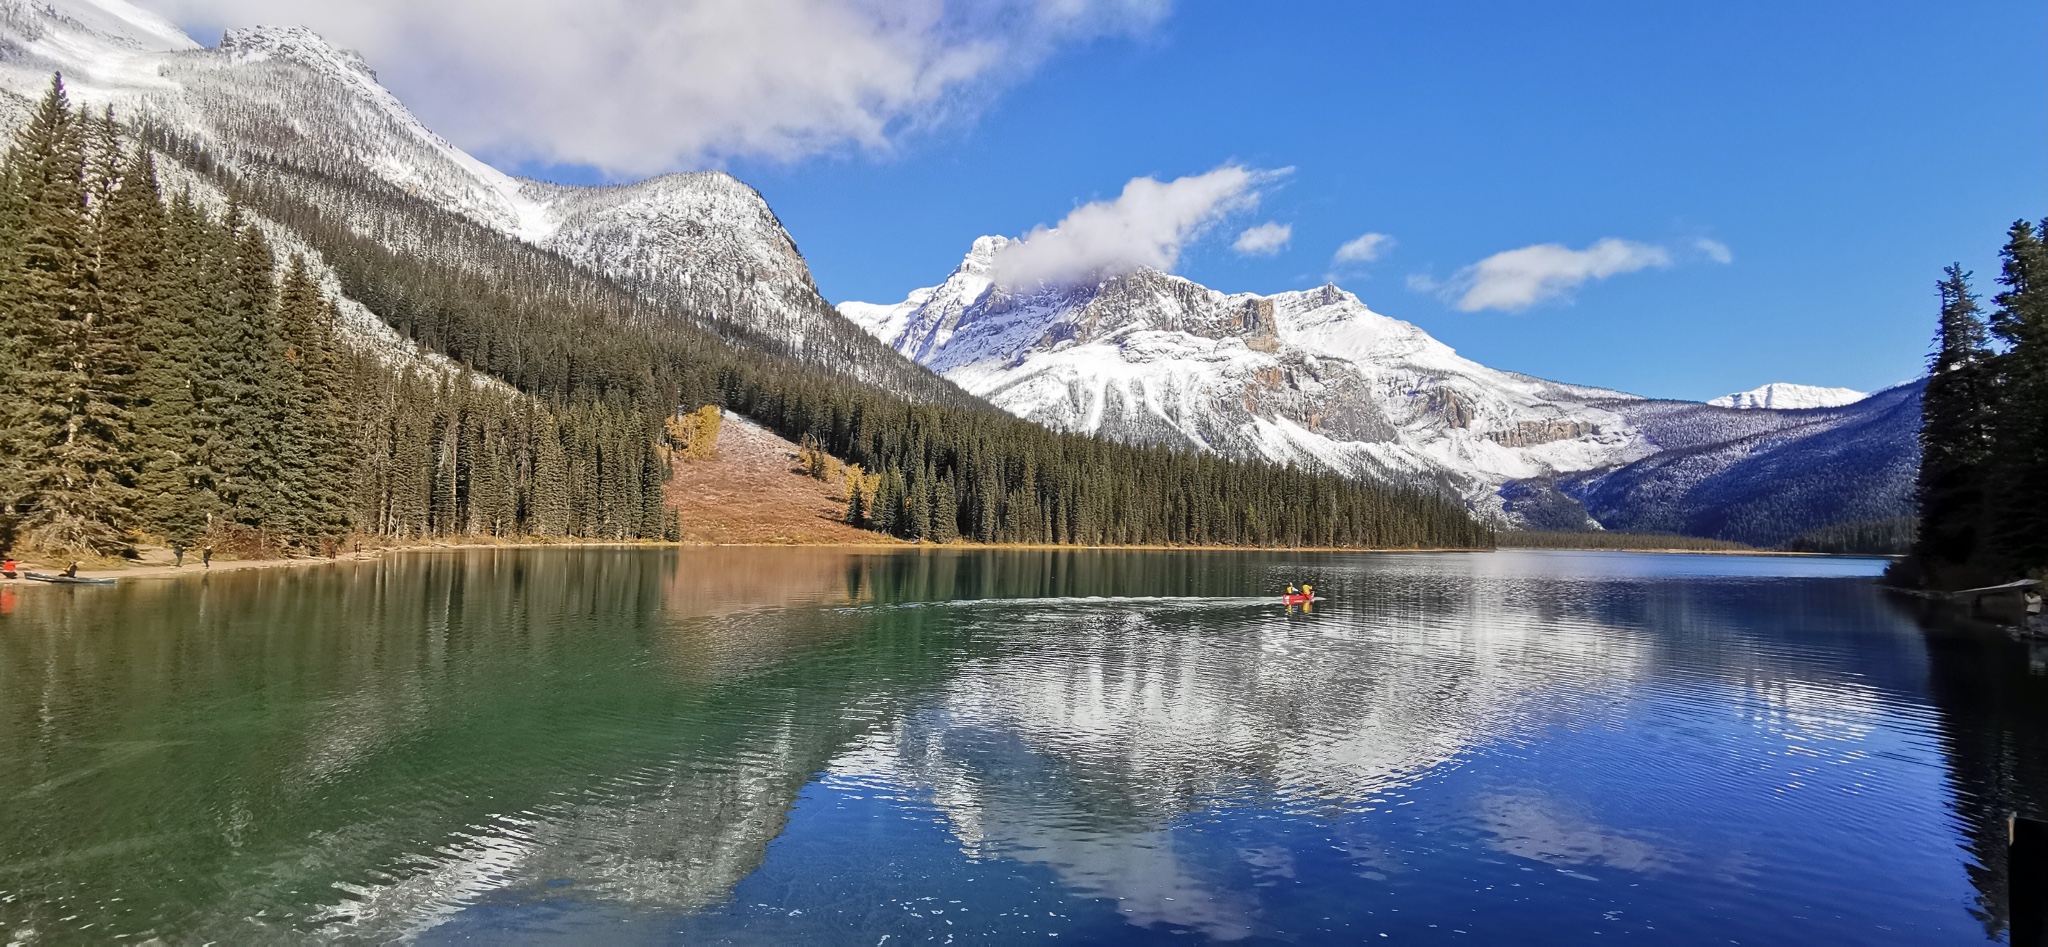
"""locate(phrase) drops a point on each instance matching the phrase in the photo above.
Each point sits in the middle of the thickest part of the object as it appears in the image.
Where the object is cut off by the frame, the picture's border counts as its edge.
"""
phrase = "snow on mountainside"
(1312, 377)
(1763, 483)
(705, 241)
(1783, 396)
(1318, 377)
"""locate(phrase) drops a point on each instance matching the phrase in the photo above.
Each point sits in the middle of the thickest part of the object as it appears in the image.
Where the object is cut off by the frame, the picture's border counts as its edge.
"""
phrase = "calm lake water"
(820, 746)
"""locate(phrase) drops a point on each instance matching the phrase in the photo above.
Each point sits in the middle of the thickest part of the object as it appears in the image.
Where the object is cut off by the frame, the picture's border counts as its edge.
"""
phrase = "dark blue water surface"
(770, 746)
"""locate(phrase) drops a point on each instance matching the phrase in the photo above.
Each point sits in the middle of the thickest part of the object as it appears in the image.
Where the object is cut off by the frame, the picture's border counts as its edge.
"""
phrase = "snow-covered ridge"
(1784, 396)
(1313, 377)
(118, 25)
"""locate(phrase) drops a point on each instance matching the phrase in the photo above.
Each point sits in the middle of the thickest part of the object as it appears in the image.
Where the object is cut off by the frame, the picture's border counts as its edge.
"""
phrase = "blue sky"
(1844, 152)
(1841, 152)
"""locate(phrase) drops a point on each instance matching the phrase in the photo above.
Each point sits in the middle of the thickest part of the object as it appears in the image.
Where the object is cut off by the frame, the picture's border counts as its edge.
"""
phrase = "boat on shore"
(57, 579)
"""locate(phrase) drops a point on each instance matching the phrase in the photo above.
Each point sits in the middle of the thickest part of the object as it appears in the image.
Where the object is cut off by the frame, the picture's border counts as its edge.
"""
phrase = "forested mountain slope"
(1761, 477)
(704, 244)
(524, 315)
(495, 354)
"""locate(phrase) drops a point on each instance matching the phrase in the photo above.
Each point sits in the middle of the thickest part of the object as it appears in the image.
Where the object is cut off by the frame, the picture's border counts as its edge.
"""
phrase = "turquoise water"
(820, 746)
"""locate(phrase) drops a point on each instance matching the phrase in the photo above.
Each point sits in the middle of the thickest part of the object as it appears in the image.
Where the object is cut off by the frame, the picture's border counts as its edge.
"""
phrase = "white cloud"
(637, 86)
(1715, 250)
(1363, 249)
(1145, 226)
(1264, 239)
(1514, 280)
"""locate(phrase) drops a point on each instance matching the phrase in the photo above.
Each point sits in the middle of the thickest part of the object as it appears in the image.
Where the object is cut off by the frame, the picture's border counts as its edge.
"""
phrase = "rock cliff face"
(705, 241)
(1318, 377)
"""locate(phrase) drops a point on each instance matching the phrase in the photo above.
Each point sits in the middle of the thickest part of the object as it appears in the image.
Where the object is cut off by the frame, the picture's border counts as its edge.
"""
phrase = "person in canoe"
(71, 572)
(1294, 596)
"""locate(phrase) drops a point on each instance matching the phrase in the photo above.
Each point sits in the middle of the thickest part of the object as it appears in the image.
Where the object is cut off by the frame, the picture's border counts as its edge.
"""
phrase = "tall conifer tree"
(1955, 429)
(139, 278)
(76, 367)
(254, 488)
(2019, 480)
(309, 405)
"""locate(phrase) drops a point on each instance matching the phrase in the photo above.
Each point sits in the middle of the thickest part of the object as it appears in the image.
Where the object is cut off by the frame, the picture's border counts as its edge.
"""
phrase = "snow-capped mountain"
(705, 241)
(1313, 376)
(1789, 397)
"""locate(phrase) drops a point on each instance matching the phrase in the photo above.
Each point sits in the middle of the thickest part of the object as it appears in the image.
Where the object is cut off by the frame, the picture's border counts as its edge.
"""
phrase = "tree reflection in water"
(497, 742)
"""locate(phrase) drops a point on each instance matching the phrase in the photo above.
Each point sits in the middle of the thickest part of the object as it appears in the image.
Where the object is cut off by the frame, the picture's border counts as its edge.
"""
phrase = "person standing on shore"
(206, 556)
(177, 555)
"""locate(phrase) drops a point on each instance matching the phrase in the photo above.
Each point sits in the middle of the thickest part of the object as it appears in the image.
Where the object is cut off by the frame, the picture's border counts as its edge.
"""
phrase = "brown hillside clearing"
(755, 492)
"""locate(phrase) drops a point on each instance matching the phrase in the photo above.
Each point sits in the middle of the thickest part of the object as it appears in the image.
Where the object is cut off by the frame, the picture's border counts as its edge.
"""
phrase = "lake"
(869, 747)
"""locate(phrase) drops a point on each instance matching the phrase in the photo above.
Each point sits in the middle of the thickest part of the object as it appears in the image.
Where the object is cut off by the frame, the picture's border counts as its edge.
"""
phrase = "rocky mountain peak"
(295, 43)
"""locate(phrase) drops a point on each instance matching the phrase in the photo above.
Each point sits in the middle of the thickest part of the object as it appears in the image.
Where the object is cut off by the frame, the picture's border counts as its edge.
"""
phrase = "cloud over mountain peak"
(638, 86)
(1145, 226)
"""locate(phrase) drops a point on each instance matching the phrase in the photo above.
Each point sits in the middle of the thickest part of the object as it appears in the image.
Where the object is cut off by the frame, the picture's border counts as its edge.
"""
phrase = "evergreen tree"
(183, 379)
(2019, 477)
(71, 385)
(149, 274)
(1955, 434)
(550, 504)
(886, 515)
(311, 407)
(945, 526)
(258, 487)
(856, 501)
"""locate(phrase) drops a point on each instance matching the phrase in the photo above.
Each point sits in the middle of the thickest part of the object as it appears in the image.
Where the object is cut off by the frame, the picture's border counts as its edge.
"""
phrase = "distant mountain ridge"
(1318, 377)
(1785, 396)
(1761, 483)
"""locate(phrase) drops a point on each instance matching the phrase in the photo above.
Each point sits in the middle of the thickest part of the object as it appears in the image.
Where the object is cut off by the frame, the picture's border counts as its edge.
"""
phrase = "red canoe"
(1296, 599)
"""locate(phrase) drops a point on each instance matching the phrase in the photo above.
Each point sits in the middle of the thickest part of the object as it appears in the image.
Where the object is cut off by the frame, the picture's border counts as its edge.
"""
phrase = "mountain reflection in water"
(770, 745)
